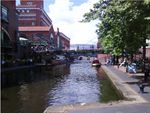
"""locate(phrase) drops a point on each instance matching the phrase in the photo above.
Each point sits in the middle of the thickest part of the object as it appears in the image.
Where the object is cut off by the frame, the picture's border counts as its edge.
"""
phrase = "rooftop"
(64, 36)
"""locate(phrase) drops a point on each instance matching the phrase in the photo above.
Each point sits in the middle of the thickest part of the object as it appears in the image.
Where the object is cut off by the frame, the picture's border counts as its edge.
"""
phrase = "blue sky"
(66, 14)
(47, 2)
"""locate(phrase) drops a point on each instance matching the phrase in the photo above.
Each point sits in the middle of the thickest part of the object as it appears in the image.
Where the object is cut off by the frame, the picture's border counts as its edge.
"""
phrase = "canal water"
(32, 90)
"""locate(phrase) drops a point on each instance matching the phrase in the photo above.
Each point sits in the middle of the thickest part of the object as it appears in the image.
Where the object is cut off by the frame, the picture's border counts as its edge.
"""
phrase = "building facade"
(41, 38)
(62, 41)
(9, 29)
(83, 47)
(65, 41)
(148, 49)
(32, 13)
(35, 24)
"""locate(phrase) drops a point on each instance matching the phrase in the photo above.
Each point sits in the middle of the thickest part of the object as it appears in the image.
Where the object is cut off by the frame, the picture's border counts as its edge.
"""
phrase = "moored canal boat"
(96, 63)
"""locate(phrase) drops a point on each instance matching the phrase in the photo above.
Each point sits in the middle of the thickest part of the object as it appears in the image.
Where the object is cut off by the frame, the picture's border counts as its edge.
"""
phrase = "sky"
(67, 14)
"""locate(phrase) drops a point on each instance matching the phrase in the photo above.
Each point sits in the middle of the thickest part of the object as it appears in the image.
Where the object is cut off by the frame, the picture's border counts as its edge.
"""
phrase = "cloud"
(66, 16)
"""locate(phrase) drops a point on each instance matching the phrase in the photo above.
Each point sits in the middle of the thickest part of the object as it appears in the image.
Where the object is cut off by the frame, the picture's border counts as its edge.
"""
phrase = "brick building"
(32, 13)
(41, 38)
(65, 41)
(62, 41)
(9, 29)
(35, 25)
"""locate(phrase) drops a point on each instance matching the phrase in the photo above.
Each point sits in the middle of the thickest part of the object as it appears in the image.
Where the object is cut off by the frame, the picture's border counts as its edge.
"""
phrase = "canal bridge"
(85, 52)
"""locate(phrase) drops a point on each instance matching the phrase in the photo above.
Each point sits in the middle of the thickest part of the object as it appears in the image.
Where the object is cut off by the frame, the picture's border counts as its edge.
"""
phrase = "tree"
(147, 1)
(122, 26)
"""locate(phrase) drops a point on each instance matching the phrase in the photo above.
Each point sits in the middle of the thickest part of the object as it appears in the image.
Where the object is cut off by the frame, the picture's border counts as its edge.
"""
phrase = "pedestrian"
(146, 74)
(141, 86)
(108, 61)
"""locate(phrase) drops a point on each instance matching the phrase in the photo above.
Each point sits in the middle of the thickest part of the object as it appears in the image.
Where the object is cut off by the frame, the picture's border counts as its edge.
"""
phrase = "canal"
(33, 90)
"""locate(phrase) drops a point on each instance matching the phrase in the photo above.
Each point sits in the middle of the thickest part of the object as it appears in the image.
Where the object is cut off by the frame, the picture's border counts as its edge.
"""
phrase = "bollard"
(146, 74)
(141, 88)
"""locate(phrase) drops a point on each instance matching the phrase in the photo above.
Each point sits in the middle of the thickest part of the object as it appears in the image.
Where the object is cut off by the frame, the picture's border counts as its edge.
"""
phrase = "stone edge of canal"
(128, 95)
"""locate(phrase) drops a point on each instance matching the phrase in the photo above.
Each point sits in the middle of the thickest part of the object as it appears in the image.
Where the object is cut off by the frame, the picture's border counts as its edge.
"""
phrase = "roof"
(64, 36)
(34, 28)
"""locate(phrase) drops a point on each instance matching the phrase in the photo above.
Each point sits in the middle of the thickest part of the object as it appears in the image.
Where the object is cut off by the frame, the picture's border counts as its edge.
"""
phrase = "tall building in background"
(83, 47)
(32, 13)
(62, 41)
(9, 29)
(36, 26)
(65, 41)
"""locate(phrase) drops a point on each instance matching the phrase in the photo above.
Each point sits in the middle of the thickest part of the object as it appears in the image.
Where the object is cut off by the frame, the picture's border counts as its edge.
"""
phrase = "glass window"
(33, 23)
(52, 36)
(29, 3)
(4, 13)
(52, 39)
(27, 11)
(23, 11)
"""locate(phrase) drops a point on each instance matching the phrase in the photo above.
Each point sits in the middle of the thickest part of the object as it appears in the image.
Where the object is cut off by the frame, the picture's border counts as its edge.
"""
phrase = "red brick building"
(62, 41)
(35, 25)
(65, 41)
(32, 13)
(9, 29)
(40, 37)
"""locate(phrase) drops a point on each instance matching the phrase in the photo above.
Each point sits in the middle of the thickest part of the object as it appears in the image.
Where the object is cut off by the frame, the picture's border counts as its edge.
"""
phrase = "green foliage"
(147, 1)
(123, 25)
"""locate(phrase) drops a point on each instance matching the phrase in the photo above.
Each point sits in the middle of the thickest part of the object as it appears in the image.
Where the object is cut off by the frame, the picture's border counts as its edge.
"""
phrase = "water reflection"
(31, 91)
(13, 78)
(81, 85)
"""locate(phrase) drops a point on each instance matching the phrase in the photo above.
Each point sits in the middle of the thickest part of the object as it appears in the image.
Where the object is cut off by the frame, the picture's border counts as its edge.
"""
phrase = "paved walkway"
(135, 108)
(132, 80)
(133, 77)
(135, 102)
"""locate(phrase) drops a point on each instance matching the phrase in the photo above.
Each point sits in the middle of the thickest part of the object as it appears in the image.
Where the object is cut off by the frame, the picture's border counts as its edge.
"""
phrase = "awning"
(23, 39)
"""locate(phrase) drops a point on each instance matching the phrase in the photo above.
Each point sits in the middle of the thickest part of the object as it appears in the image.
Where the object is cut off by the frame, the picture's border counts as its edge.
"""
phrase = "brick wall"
(11, 26)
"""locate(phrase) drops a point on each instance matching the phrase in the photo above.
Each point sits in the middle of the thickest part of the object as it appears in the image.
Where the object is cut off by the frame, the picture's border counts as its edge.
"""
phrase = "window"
(28, 11)
(33, 23)
(51, 36)
(51, 39)
(38, 35)
(147, 44)
(23, 11)
(4, 13)
(29, 3)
